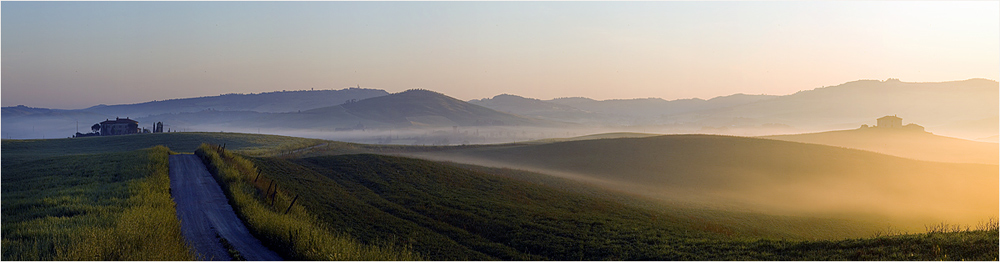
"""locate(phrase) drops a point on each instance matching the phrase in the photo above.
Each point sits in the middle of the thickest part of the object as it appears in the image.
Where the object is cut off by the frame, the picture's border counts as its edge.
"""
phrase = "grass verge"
(284, 226)
(110, 206)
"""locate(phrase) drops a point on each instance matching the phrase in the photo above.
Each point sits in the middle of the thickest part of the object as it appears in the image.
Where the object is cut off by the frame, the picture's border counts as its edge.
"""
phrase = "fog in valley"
(771, 177)
(826, 152)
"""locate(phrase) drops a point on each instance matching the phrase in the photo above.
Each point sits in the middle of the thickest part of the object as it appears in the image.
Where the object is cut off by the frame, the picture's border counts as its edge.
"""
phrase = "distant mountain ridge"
(270, 102)
(658, 106)
(411, 108)
(532, 107)
(612, 111)
(934, 105)
(966, 109)
(518, 105)
(415, 106)
(22, 111)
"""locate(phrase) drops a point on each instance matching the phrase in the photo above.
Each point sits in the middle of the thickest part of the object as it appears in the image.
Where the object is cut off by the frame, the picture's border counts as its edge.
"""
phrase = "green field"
(251, 144)
(102, 206)
(107, 198)
(768, 176)
(103, 198)
(447, 212)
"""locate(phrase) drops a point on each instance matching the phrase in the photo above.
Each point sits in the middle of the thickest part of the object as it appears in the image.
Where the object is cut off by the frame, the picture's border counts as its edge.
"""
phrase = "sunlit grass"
(248, 144)
(111, 206)
(463, 213)
(296, 234)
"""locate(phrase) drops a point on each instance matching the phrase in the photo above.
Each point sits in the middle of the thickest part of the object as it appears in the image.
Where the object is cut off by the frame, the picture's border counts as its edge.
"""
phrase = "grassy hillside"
(102, 206)
(904, 143)
(447, 212)
(64, 200)
(272, 215)
(763, 175)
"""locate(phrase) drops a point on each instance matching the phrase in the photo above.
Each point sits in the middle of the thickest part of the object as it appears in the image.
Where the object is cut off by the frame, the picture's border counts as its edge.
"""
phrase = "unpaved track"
(205, 213)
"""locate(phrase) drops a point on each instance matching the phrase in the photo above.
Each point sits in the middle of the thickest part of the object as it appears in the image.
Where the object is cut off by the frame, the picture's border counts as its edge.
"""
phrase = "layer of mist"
(757, 175)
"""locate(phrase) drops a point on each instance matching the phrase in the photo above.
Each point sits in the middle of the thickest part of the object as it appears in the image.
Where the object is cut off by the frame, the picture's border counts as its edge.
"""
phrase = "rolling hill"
(941, 107)
(904, 143)
(446, 212)
(24, 122)
(270, 102)
(424, 107)
(442, 211)
(180, 114)
(760, 174)
(537, 108)
(657, 106)
(408, 109)
(966, 109)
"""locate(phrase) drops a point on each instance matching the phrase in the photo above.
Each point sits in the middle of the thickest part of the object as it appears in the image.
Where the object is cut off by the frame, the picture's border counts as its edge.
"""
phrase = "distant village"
(120, 126)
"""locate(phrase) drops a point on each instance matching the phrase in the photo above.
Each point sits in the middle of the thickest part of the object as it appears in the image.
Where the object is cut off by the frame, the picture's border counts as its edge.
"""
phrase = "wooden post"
(268, 191)
(293, 203)
(258, 176)
(273, 195)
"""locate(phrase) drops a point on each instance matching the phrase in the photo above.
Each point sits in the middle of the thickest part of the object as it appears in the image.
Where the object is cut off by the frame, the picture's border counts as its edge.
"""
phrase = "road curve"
(206, 216)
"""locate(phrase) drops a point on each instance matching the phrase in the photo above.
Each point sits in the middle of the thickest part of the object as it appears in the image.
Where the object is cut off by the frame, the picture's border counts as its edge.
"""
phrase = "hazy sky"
(79, 54)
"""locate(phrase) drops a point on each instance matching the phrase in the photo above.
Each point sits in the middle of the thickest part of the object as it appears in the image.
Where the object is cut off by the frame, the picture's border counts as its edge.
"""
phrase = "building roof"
(890, 117)
(119, 120)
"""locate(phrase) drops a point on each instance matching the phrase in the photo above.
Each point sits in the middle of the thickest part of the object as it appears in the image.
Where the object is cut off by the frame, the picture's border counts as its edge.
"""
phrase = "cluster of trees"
(96, 131)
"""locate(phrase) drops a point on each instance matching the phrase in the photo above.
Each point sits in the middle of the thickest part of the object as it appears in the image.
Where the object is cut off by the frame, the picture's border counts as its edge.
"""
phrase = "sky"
(79, 54)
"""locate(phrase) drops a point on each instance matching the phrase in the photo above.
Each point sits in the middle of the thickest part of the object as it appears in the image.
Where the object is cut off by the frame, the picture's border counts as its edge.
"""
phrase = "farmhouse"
(894, 122)
(890, 122)
(119, 126)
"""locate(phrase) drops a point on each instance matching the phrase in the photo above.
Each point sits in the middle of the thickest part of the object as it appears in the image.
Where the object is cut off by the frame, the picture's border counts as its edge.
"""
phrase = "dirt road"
(205, 214)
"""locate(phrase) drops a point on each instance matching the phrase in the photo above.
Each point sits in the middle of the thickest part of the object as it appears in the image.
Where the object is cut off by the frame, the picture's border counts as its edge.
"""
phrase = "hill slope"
(658, 106)
(446, 212)
(851, 104)
(423, 107)
(412, 108)
(271, 102)
(761, 174)
(909, 144)
(536, 108)
(200, 113)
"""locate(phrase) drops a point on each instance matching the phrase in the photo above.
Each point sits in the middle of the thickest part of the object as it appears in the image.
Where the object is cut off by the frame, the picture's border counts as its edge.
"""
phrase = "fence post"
(273, 195)
(268, 191)
(293, 203)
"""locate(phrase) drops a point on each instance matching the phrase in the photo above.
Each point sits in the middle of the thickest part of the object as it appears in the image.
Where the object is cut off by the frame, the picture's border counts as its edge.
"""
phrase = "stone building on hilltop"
(889, 122)
(119, 126)
(893, 122)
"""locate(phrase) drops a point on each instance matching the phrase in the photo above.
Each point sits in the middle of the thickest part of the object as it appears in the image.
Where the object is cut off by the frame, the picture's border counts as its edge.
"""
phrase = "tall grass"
(113, 206)
(296, 234)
